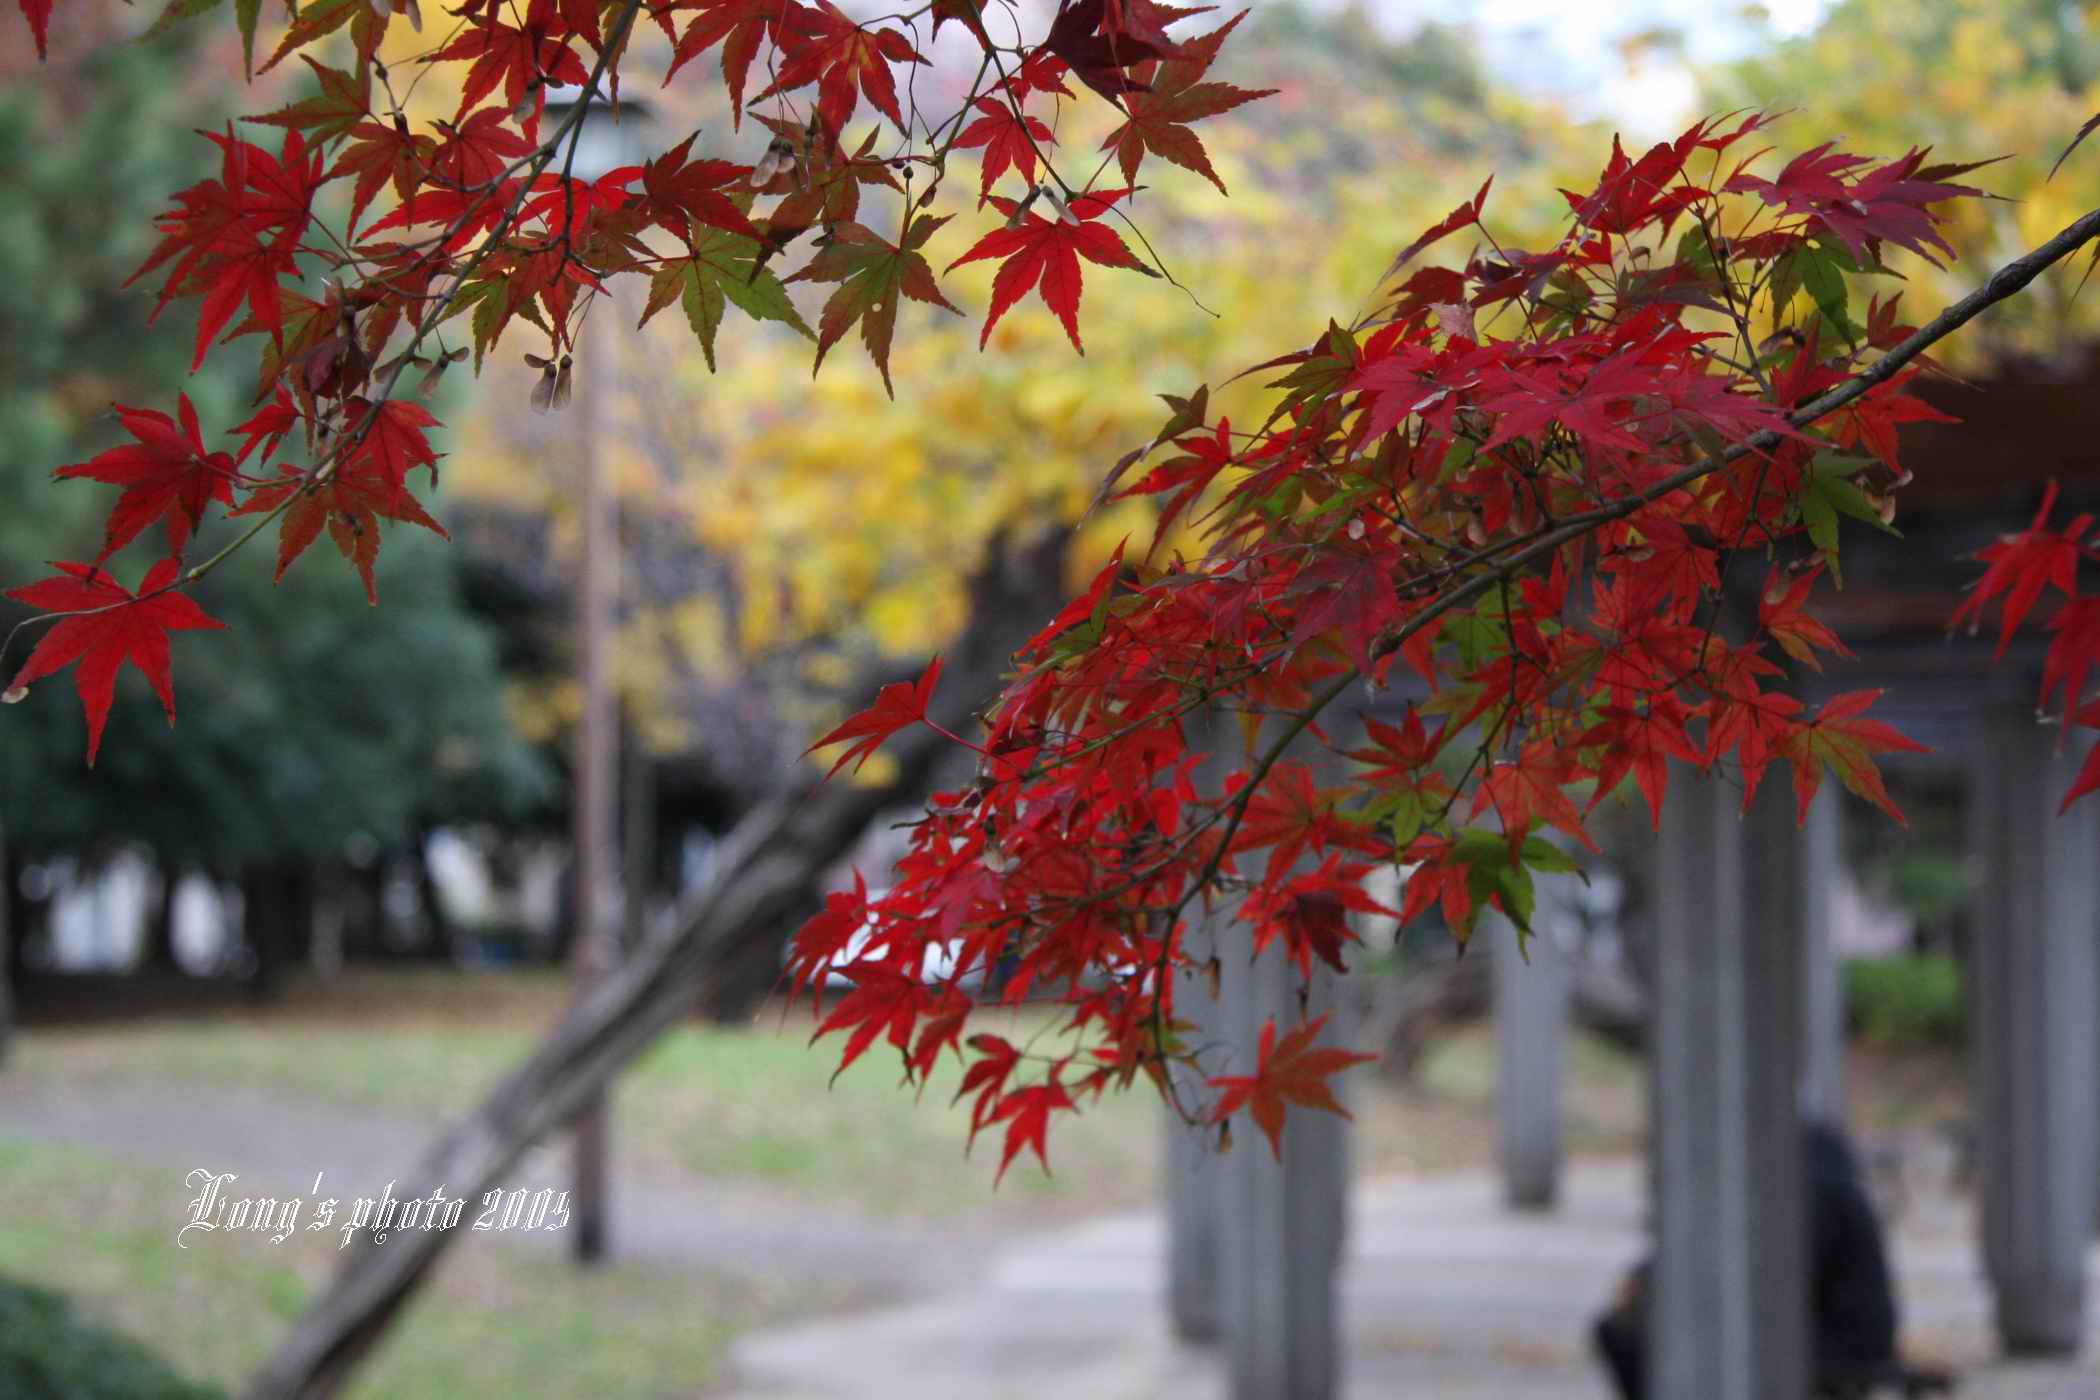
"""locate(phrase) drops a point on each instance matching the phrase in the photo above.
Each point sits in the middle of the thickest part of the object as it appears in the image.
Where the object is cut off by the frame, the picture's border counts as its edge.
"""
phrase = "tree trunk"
(766, 882)
(7, 957)
(158, 956)
(440, 937)
(277, 921)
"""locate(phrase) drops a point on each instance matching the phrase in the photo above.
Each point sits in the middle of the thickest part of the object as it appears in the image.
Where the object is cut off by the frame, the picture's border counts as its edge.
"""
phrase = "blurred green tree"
(320, 719)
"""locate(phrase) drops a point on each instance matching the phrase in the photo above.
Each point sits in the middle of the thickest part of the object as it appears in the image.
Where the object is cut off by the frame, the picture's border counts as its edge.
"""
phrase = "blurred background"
(301, 931)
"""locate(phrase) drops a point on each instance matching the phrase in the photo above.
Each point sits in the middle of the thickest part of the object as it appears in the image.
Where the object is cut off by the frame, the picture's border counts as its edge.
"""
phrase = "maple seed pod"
(14, 695)
(1058, 206)
(774, 163)
(551, 394)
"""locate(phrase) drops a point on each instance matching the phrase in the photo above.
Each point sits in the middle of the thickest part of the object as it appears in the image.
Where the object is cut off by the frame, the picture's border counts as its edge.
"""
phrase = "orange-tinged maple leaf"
(1528, 791)
(1290, 1071)
(1779, 613)
(1159, 117)
(896, 705)
(110, 625)
(349, 505)
(1841, 738)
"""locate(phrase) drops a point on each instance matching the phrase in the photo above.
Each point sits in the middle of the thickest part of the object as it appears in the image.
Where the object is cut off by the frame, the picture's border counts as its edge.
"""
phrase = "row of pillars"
(1746, 1039)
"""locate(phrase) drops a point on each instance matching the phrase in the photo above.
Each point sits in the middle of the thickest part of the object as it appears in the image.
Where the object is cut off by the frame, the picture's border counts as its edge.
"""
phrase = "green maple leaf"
(721, 271)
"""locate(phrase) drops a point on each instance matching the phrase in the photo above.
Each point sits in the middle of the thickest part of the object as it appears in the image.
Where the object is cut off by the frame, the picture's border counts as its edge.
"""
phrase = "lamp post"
(603, 141)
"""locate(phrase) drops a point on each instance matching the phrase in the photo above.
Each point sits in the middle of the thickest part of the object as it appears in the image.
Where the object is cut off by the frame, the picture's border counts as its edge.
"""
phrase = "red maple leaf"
(1311, 913)
(1049, 250)
(840, 56)
(1757, 725)
(1641, 742)
(986, 1077)
(739, 26)
(1006, 141)
(1464, 216)
(1399, 755)
(516, 58)
(2073, 651)
(1204, 457)
(1098, 41)
(479, 149)
(166, 475)
(1290, 1071)
(1291, 813)
(882, 1000)
(38, 13)
(394, 444)
(2088, 777)
(109, 626)
(896, 705)
(2022, 565)
(1349, 590)
(678, 192)
(1026, 1113)
(232, 239)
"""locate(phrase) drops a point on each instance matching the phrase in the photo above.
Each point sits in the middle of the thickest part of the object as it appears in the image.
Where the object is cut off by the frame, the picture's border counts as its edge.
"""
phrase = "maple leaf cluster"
(1511, 500)
(460, 228)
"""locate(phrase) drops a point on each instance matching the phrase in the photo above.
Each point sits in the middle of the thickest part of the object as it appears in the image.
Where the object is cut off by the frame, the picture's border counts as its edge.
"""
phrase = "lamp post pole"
(602, 144)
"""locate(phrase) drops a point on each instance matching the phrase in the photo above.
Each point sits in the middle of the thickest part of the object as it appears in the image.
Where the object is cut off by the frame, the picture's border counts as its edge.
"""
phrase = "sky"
(1575, 51)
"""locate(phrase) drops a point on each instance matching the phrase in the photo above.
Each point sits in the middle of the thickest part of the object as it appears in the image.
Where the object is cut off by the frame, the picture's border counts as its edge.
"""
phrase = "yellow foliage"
(1973, 79)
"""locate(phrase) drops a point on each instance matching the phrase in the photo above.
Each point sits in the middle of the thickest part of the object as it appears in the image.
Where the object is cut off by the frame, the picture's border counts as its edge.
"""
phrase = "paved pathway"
(1447, 1295)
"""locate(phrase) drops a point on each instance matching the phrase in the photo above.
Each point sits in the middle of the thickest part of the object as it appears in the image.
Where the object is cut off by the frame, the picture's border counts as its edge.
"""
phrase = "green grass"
(502, 1320)
(753, 1104)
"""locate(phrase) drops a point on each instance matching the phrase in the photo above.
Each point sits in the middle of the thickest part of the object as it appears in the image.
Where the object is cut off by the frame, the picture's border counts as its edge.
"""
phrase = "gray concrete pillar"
(1822, 841)
(2034, 992)
(1531, 1031)
(1728, 1316)
(1282, 1231)
(1195, 1176)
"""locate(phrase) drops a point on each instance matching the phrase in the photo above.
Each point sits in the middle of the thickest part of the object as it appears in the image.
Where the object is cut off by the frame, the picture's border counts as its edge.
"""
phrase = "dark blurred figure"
(1853, 1298)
